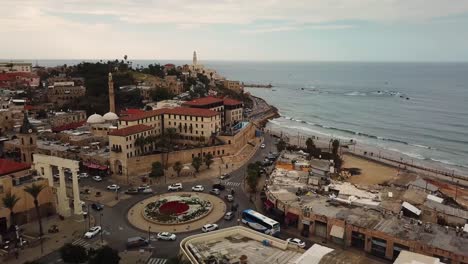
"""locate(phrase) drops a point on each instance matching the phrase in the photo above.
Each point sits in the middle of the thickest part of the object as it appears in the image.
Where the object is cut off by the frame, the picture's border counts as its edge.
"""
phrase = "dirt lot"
(371, 172)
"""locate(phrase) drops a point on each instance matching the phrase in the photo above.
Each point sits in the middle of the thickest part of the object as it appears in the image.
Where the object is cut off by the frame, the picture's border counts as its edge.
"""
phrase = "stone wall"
(141, 165)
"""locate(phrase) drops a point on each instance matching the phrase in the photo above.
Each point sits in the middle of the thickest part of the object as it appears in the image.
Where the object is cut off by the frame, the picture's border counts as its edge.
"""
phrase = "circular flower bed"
(173, 208)
(177, 209)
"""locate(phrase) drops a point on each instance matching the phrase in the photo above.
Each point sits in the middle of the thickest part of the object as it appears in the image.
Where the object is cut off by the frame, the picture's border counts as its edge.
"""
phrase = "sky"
(270, 30)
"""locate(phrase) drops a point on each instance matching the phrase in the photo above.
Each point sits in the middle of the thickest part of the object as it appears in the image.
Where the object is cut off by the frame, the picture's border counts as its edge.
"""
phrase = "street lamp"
(149, 234)
(100, 223)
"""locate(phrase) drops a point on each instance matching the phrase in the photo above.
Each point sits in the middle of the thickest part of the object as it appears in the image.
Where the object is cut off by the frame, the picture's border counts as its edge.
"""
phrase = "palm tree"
(9, 201)
(34, 190)
(177, 167)
(140, 142)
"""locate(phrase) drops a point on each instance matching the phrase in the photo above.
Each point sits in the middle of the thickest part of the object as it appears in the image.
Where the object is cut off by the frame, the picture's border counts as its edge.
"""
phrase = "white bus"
(259, 222)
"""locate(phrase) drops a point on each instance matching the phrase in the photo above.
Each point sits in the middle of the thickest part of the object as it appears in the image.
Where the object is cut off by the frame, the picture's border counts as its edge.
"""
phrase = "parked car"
(219, 186)
(134, 242)
(143, 187)
(198, 188)
(297, 242)
(175, 187)
(132, 191)
(97, 178)
(215, 192)
(113, 187)
(229, 198)
(209, 227)
(93, 231)
(146, 191)
(83, 175)
(224, 176)
(229, 216)
(262, 146)
(97, 206)
(166, 236)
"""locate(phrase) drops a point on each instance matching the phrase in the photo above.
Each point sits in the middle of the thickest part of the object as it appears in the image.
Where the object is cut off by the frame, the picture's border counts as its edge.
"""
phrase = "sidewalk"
(69, 229)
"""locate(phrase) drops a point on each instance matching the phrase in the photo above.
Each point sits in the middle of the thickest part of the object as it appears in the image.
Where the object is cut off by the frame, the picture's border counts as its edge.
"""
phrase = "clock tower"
(27, 140)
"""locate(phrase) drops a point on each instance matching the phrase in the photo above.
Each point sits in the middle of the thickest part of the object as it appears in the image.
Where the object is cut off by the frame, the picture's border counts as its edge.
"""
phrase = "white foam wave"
(356, 93)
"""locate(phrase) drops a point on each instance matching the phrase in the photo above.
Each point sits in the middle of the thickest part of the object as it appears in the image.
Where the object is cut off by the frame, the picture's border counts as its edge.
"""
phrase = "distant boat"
(273, 90)
(302, 88)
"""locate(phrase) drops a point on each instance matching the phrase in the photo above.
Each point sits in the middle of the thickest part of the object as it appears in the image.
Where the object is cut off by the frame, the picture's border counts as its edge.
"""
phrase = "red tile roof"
(229, 101)
(9, 166)
(144, 114)
(203, 101)
(131, 130)
(68, 126)
(191, 111)
(131, 111)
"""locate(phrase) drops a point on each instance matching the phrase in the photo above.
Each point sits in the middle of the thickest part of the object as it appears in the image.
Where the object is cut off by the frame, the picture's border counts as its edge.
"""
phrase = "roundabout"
(176, 212)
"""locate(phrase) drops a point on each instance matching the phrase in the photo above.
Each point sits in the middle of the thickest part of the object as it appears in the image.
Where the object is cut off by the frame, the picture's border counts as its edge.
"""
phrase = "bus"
(259, 222)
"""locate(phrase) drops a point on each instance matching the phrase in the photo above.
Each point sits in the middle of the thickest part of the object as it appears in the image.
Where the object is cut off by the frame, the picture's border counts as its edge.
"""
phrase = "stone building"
(27, 137)
(64, 94)
(235, 86)
(14, 177)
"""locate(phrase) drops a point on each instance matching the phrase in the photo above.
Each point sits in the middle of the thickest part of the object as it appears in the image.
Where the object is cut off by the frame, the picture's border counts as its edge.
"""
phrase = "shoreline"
(424, 168)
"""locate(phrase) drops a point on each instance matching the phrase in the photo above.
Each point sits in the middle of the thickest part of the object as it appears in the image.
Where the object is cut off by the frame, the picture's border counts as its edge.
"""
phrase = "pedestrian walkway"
(82, 242)
(233, 184)
(156, 261)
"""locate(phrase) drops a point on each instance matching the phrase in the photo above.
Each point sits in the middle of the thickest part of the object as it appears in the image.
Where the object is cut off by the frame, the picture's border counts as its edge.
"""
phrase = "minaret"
(111, 94)
(194, 62)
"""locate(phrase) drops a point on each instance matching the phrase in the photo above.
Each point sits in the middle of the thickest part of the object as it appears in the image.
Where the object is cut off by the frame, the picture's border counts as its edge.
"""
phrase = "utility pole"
(149, 234)
(89, 217)
(100, 223)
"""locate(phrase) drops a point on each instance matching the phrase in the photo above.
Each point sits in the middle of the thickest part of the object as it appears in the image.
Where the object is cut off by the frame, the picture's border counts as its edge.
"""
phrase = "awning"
(94, 166)
(269, 204)
(292, 217)
(337, 231)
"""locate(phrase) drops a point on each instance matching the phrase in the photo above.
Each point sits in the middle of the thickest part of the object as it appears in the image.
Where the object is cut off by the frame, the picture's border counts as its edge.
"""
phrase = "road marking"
(81, 242)
(156, 261)
(234, 184)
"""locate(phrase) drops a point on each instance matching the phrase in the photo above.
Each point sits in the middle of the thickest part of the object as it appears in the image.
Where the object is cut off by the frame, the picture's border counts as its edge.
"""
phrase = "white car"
(209, 228)
(93, 231)
(198, 188)
(166, 236)
(175, 187)
(224, 176)
(262, 146)
(113, 187)
(297, 242)
(97, 178)
(84, 175)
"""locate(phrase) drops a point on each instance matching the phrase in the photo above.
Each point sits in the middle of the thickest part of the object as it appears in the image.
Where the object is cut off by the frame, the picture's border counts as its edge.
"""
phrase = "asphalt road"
(116, 228)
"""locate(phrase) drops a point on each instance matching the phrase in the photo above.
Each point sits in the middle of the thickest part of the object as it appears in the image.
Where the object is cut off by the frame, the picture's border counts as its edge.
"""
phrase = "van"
(136, 242)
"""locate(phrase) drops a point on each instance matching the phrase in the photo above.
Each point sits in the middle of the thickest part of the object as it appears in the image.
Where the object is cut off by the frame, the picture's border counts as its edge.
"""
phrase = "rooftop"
(231, 243)
(190, 111)
(137, 115)
(10, 166)
(131, 130)
(230, 101)
(204, 101)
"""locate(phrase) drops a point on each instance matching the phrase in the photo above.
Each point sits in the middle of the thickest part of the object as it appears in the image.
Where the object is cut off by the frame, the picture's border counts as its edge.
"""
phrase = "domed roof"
(95, 119)
(110, 116)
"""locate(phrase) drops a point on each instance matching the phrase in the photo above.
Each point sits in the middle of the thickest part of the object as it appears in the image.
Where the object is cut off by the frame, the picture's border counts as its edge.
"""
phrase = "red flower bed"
(173, 208)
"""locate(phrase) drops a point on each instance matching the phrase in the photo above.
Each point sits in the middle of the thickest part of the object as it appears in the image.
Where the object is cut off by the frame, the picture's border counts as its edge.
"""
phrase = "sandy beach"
(389, 157)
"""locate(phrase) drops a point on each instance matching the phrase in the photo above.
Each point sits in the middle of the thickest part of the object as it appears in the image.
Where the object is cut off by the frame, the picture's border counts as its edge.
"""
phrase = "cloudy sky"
(355, 30)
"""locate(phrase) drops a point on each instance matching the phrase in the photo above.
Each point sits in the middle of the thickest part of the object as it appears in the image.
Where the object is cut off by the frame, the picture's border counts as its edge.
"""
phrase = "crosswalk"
(156, 261)
(232, 184)
(81, 242)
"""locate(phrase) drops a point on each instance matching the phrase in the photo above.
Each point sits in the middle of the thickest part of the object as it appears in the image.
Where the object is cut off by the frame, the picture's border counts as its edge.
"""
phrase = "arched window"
(31, 141)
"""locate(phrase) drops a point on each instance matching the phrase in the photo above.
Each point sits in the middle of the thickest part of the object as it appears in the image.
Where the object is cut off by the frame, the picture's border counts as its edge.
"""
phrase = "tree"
(34, 190)
(171, 134)
(106, 255)
(9, 201)
(311, 149)
(156, 170)
(253, 175)
(335, 146)
(73, 253)
(160, 94)
(140, 142)
(281, 145)
(196, 163)
(208, 160)
(177, 167)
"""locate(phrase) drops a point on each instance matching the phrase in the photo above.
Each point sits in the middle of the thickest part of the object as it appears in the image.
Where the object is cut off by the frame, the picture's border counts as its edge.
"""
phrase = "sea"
(417, 109)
